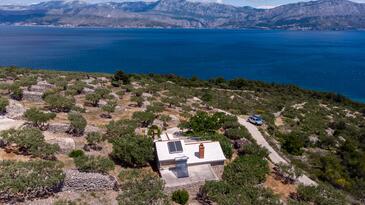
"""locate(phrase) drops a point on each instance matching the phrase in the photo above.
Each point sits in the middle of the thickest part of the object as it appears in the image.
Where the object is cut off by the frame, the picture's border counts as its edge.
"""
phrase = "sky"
(253, 3)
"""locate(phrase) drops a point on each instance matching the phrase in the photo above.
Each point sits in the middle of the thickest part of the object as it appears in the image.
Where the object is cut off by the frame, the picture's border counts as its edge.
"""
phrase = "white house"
(185, 161)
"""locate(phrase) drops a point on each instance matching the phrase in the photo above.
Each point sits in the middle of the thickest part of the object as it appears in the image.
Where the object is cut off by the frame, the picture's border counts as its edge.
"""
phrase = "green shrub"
(16, 93)
(133, 150)
(320, 195)
(246, 170)
(59, 103)
(120, 128)
(30, 141)
(138, 100)
(94, 138)
(92, 99)
(203, 122)
(76, 153)
(147, 189)
(120, 78)
(29, 180)
(237, 133)
(102, 92)
(38, 118)
(180, 196)
(109, 108)
(3, 103)
(293, 143)
(77, 123)
(143, 118)
(94, 164)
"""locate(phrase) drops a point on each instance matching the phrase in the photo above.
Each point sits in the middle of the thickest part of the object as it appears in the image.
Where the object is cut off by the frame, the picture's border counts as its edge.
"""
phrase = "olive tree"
(92, 99)
(29, 141)
(144, 118)
(133, 150)
(109, 108)
(38, 118)
(77, 124)
(59, 103)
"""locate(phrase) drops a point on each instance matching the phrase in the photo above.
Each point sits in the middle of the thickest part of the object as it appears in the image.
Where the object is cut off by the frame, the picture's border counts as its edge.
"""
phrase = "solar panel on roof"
(175, 147)
(178, 146)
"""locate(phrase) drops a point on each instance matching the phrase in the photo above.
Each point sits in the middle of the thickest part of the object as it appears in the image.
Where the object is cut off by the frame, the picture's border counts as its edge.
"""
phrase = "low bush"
(29, 180)
(140, 190)
(16, 93)
(3, 103)
(38, 118)
(237, 133)
(94, 164)
(77, 124)
(180, 196)
(92, 99)
(76, 153)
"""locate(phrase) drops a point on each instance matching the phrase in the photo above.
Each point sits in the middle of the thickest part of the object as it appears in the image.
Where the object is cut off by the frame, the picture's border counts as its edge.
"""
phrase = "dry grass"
(13, 156)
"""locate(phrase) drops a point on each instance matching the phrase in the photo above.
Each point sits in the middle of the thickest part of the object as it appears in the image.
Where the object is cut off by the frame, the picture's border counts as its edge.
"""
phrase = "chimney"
(201, 151)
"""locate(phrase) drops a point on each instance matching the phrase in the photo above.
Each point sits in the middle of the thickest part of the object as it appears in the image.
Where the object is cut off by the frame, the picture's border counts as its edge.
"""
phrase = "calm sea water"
(326, 61)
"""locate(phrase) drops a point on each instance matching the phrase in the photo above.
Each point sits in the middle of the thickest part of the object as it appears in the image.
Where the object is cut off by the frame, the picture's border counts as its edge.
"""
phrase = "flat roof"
(213, 152)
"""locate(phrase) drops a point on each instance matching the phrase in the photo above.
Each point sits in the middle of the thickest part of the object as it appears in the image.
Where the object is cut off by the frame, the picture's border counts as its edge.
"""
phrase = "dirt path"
(273, 155)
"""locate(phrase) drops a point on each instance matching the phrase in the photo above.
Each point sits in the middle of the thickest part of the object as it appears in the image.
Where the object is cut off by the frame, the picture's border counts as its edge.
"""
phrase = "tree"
(93, 99)
(165, 119)
(120, 78)
(102, 92)
(143, 118)
(237, 133)
(170, 101)
(38, 118)
(293, 143)
(3, 103)
(202, 123)
(29, 141)
(29, 180)
(59, 103)
(93, 139)
(120, 128)
(77, 124)
(109, 108)
(16, 93)
(133, 150)
(180, 196)
(138, 100)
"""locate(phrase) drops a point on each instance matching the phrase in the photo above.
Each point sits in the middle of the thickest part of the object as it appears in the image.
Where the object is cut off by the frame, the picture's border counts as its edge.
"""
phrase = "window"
(175, 147)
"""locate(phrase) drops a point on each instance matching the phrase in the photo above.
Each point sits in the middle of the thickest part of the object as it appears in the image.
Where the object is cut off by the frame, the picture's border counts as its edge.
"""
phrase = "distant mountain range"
(314, 15)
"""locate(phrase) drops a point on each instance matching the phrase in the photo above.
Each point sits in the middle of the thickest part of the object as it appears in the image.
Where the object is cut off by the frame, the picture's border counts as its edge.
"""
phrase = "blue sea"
(325, 61)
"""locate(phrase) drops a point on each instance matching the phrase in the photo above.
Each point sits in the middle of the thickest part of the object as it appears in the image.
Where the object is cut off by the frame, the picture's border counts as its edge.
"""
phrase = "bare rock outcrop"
(32, 96)
(14, 110)
(66, 144)
(81, 181)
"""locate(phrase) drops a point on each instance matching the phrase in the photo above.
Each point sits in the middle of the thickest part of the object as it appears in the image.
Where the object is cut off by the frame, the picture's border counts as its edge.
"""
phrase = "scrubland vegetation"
(113, 119)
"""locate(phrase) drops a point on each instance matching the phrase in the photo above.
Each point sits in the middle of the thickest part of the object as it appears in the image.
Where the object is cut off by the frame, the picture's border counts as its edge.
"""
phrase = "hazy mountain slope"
(318, 15)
